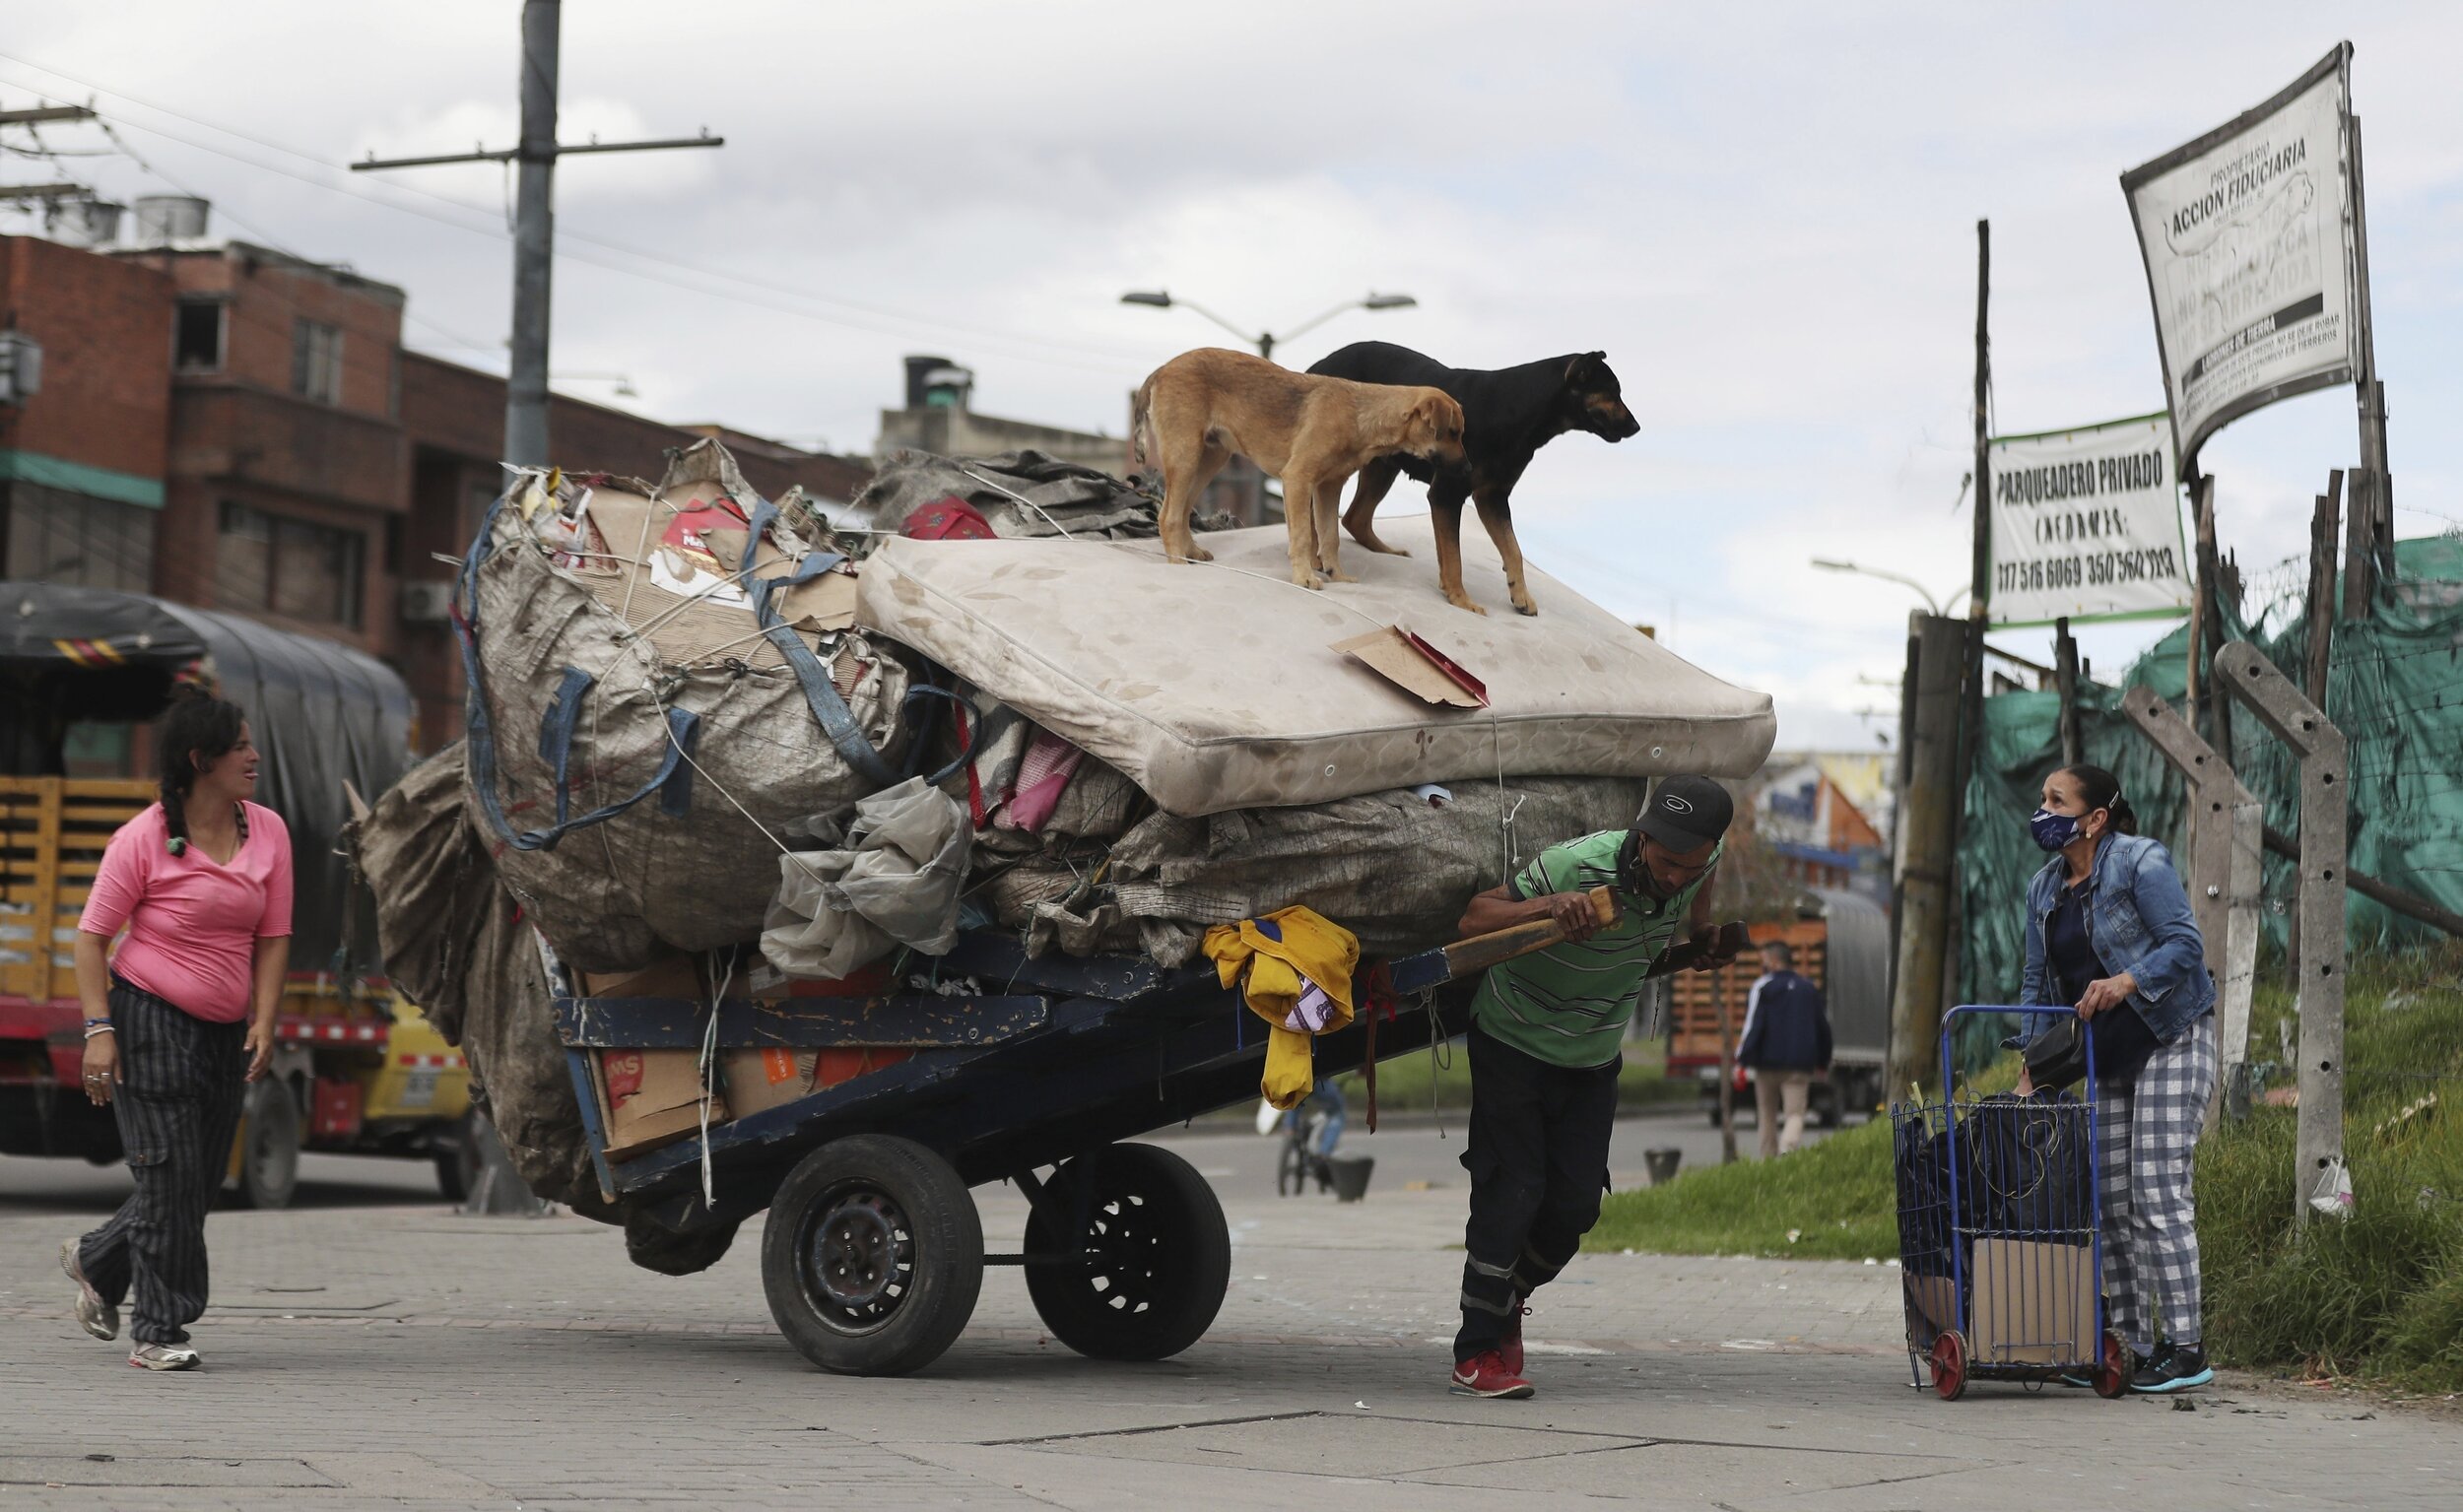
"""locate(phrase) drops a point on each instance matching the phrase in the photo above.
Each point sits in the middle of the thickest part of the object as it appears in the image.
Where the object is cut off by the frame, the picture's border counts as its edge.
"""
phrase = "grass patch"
(1834, 1193)
(1404, 1082)
(2376, 1297)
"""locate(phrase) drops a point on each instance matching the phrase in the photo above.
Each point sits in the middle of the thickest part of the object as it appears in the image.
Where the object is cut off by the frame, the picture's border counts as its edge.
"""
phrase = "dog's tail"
(1142, 423)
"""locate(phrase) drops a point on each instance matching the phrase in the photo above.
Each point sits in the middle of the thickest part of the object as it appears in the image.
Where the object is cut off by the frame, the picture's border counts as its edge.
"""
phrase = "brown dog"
(1313, 432)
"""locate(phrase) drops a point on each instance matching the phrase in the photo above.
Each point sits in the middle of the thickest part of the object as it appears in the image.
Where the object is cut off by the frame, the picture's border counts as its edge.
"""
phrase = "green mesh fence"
(2394, 687)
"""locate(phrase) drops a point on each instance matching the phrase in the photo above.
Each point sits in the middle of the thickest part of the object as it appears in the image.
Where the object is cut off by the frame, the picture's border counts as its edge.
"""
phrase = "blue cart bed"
(1024, 1070)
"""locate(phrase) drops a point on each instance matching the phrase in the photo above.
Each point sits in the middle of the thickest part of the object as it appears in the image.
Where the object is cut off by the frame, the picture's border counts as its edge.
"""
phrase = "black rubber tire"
(920, 1273)
(458, 1159)
(269, 1156)
(1166, 1254)
(1291, 1172)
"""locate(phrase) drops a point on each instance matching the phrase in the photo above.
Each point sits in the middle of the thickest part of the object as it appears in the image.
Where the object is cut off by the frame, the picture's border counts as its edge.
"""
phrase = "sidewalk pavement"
(409, 1358)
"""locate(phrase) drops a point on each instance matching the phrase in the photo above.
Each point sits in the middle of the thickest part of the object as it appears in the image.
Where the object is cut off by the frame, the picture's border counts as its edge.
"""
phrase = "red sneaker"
(1509, 1348)
(1485, 1375)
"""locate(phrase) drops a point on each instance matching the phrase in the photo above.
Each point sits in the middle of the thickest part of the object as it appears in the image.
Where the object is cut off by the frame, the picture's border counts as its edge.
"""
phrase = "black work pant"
(177, 1105)
(1538, 1159)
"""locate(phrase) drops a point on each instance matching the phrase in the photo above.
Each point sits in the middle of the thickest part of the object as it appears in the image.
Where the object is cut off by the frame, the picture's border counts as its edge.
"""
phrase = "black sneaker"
(2176, 1367)
(2085, 1376)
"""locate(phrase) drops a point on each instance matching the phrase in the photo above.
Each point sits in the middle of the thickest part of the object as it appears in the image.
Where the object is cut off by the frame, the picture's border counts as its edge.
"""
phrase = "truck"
(357, 1067)
(1841, 942)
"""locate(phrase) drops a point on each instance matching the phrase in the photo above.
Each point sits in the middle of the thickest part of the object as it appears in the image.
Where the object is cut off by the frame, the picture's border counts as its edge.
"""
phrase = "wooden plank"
(801, 1023)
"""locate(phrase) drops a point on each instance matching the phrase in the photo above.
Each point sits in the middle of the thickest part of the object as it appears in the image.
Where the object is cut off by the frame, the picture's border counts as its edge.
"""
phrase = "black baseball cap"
(1686, 813)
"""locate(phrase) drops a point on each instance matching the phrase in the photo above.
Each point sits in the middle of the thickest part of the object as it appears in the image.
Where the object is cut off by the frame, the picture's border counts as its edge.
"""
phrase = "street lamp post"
(1931, 605)
(1264, 341)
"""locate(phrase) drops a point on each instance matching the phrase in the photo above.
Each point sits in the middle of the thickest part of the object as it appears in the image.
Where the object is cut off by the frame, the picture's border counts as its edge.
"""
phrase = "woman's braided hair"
(2103, 790)
(197, 730)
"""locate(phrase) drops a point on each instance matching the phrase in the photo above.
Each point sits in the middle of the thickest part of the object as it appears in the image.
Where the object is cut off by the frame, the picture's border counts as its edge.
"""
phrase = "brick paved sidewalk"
(405, 1357)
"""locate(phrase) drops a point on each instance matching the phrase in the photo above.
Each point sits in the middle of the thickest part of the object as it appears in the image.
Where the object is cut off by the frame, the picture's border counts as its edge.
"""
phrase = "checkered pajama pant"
(2146, 1136)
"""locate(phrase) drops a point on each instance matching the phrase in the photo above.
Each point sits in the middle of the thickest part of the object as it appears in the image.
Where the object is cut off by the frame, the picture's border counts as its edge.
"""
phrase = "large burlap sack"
(1388, 866)
(637, 735)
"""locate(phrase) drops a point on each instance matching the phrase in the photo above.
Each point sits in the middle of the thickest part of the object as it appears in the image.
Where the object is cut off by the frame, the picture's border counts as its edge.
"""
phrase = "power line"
(973, 333)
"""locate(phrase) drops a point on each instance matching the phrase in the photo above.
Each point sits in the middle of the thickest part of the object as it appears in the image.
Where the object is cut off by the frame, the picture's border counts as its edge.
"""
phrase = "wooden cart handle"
(1481, 952)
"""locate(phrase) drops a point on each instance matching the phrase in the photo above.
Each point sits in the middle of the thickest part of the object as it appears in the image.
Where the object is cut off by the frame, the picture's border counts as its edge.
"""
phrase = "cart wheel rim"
(1127, 1248)
(1950, 1365)
(857, 1259)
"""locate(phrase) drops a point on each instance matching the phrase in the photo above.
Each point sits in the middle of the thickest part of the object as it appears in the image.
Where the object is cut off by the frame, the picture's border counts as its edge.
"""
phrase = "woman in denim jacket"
(2108, 929)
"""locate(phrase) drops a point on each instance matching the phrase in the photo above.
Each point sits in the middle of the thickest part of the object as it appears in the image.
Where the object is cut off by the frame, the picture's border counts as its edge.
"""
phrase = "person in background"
(1786, 1043)
(179, 1018)
(1546, 1044)
(2108, 929)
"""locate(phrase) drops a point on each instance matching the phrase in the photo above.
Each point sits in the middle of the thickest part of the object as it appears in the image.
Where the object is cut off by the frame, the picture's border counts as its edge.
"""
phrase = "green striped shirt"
(1569, 1004)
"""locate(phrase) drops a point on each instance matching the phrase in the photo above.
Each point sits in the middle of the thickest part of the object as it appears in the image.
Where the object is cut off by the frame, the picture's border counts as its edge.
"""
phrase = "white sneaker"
(93, 1315)
(164, 1356)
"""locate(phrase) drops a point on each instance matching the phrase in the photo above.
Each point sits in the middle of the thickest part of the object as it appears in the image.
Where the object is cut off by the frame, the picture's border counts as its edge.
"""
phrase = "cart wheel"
(1161, 1254)
(269, 1156)
(873, 1256)
(2113, 1376)
(1291, 1175)
(1950, 1365)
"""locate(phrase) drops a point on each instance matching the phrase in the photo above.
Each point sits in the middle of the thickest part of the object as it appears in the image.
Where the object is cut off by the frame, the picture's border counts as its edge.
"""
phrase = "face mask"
(2053, 831)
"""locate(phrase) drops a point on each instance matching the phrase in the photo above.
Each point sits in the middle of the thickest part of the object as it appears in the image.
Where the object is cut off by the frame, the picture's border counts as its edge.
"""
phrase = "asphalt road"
(1408, 1149)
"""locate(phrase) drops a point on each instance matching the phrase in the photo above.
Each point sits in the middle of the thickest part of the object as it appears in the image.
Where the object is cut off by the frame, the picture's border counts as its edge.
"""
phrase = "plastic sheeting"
(1217, 686)
(321, 714)
(896, 882)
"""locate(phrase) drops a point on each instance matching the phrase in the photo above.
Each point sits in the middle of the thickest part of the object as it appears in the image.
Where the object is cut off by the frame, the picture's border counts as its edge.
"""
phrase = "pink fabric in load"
(1044, 774)
(192, 925)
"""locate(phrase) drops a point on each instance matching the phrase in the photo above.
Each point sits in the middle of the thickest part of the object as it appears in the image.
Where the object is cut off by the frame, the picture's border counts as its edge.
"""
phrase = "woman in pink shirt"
(179, 1018)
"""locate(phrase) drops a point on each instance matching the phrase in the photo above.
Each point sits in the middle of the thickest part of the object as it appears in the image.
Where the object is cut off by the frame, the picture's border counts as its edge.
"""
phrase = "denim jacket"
(2138, 919)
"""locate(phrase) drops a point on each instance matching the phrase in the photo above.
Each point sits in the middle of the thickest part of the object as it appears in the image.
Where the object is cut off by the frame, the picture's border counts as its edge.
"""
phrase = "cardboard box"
(652, 1098)
(1932, 1306)
(2033, 1303)
(765, 983)
(676, 976)
(766, 1077)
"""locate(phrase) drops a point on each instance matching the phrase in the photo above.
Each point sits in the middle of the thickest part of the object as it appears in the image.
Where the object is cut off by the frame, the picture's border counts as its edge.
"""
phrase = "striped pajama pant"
(2147, 1139)
(177, 1105)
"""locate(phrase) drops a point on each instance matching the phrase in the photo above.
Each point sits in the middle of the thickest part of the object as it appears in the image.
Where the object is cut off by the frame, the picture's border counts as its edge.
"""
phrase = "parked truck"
(1841, 942)
(82, 672)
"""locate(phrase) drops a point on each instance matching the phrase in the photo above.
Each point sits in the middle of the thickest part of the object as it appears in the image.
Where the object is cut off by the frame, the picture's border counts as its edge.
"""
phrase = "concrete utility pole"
(534, 225)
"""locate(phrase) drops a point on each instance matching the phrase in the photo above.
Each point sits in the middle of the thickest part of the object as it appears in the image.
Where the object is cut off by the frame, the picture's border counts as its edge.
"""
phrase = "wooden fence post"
(2324, 767)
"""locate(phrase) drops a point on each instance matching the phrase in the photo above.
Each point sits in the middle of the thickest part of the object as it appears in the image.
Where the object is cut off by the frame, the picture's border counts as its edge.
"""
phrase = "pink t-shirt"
(192, 925)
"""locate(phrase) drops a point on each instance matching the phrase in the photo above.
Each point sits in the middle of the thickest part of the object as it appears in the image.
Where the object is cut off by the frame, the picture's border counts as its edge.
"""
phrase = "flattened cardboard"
(766, 1077)
(676, 976)
(2032, 1303)
(1416, 667)
(654, 1097)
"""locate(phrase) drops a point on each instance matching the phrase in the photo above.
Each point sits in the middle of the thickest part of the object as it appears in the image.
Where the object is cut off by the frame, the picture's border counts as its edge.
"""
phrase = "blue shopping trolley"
(2000, 1234)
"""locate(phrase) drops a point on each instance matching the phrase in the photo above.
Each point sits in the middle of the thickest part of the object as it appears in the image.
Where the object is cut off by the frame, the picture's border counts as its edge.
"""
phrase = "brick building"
(223, 424)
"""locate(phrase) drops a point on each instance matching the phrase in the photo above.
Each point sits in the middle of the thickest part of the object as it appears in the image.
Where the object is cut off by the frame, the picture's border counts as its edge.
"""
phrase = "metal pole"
(534, 239)
(2372, 491)
(2065, 680)
(1927, 857)
(2324, 768)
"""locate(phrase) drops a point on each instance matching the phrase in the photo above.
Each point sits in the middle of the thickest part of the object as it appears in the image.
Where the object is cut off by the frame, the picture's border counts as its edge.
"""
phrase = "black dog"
(1508, 414)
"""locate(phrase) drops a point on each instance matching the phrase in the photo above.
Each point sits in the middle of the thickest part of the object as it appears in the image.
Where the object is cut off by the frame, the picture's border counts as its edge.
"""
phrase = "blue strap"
(672, 781)
(820, 695)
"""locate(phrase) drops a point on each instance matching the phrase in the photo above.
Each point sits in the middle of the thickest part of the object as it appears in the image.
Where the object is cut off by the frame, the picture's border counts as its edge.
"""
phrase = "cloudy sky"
(1765, 214)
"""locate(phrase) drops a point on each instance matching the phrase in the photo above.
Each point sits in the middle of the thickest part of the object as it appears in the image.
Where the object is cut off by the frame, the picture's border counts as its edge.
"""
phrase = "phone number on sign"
(2102, 569)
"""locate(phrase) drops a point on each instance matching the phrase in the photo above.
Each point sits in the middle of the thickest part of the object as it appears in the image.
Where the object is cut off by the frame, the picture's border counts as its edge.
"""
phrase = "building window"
(317, 361)
(54, 536)
(274, 564)
(197, 339)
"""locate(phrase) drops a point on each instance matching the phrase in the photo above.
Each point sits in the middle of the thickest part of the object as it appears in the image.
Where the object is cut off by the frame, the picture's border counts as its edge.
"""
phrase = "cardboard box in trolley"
(648, 1098)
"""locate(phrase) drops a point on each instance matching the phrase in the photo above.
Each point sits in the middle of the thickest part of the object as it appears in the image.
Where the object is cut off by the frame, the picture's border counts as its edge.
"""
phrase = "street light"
(1264, 341)
(1828, 564)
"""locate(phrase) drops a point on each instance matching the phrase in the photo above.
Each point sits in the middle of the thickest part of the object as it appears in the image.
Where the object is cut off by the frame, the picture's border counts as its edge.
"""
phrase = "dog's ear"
(1579, 367)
